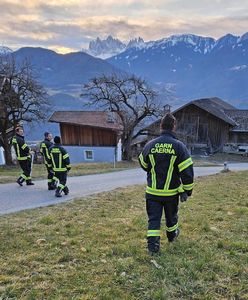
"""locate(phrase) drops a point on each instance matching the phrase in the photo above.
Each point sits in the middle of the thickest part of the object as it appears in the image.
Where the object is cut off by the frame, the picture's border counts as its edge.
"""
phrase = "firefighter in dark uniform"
(44, 150)
(170, 176)
(60, 163)
(23, 155)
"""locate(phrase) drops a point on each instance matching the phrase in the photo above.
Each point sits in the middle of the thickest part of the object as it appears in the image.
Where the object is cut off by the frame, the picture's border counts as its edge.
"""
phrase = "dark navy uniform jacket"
(168, 165)
(59, 159)
(44, 150)
(21, 148)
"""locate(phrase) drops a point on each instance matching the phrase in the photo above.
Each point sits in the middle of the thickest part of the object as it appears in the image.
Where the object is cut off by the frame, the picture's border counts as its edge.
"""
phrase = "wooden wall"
(197, 126)
(87, 136)
(238, 137)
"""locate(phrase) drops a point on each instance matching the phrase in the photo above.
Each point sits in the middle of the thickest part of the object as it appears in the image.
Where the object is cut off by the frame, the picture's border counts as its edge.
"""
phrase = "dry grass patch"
(95, 248)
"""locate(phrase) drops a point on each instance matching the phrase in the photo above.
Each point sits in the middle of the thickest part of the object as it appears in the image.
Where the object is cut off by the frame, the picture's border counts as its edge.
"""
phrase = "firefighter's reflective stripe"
(24, 176)
(65, 156)
(185, 164)
(60, 160)
(53, 162)
(59, 169)
(24, 146)
(18, 153)
(158, 192)
(170, 171)
(188, 187)
(42, 149)
(23, 157)
(61, 186)
(143, 163)
(153, 233)
(173, 228)
(154, 181)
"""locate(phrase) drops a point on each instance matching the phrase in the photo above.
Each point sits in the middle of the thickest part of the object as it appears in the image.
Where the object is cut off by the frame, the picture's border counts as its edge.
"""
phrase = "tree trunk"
(126, 148)
(7, 150)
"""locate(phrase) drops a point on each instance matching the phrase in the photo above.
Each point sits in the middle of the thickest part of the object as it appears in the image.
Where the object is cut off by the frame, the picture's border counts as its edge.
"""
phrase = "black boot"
(153, 245)
(173, 235)
(66, 190)
(58, 193)
(51, 186)
(20, 180)
(29, 182)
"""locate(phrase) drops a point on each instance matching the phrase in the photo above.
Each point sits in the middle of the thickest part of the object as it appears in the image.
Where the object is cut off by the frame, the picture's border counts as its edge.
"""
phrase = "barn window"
(88, 155)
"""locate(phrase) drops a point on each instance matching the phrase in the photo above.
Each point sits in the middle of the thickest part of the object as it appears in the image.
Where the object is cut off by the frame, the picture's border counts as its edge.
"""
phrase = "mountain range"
(192, 66)
(185, 67)
(110, 46)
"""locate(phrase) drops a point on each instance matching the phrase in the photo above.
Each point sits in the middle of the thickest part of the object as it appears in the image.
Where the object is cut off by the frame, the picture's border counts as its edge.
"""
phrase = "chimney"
(110, 116)
(167, 109)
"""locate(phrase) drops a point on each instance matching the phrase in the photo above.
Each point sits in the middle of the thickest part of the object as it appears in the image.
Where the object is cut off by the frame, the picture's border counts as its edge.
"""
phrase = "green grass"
(11, 173)
(95, 248)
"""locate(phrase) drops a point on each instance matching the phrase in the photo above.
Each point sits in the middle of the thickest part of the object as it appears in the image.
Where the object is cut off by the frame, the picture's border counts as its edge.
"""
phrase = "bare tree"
(129, 96)
(22, 98)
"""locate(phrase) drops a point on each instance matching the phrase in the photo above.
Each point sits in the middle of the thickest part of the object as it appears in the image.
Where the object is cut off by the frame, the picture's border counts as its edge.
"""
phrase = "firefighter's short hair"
(18, 128)
(57, 140)
(168, 122)
(46, 134)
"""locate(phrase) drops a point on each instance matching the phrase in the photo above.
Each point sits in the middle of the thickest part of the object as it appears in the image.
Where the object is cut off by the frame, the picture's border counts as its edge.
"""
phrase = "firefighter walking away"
(170, 177)
(44, 150)
(60, 163)
(23, 155)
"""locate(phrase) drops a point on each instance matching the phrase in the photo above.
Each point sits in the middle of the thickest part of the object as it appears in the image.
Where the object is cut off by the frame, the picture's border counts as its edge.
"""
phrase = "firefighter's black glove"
(183, 197)
(68, 169)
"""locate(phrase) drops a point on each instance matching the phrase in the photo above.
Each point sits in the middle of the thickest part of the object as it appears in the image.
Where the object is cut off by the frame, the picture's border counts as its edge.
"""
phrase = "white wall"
(2, 158)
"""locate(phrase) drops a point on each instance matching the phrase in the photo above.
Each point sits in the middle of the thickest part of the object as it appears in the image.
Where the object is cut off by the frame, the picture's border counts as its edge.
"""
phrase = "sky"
(69, 25)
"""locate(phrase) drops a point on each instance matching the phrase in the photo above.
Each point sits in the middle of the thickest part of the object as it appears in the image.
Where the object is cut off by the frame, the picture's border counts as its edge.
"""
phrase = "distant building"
(89, 136)
(208, 125)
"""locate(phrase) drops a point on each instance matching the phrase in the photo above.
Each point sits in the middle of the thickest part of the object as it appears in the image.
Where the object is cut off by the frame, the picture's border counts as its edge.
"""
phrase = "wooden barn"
(89, 135)
(207, 125)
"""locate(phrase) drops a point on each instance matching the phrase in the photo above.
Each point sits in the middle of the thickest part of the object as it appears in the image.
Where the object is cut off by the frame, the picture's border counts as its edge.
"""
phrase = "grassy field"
(10, 174)
(95, 248)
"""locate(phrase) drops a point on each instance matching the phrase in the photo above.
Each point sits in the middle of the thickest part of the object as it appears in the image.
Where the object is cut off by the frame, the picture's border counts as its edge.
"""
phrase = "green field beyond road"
(95, 248)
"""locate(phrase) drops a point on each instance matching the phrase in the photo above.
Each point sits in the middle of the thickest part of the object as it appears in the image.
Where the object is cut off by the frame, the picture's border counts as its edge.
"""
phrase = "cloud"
(71, 24)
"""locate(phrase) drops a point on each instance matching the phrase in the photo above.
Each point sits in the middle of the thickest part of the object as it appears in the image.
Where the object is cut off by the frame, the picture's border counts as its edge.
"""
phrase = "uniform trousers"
(50, 175)
(62, 177)
(26, 168)
(155, 206)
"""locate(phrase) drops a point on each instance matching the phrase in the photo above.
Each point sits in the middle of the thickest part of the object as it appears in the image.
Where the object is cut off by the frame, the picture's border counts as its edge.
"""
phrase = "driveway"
(14, 198)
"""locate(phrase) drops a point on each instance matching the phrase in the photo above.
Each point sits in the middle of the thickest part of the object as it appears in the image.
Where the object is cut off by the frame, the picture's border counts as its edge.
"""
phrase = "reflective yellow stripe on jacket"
(143, 163)
(185, 164)
(18, 154)
(59, 167)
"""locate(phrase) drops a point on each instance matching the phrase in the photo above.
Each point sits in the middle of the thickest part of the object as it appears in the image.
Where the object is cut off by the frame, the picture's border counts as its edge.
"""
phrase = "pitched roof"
(240, 116)
(214, 106)
(99, 119)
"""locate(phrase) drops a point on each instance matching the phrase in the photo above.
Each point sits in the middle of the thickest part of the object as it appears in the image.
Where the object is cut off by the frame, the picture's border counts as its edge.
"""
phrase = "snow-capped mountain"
(111, 46)
(4, 50)
(191, 65)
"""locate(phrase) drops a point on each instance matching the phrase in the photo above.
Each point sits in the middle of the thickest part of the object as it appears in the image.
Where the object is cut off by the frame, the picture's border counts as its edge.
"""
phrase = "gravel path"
(14, 198)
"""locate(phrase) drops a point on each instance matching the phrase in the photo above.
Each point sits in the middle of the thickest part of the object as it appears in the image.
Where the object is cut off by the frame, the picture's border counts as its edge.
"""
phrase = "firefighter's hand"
(183, 197)
(68, 169)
